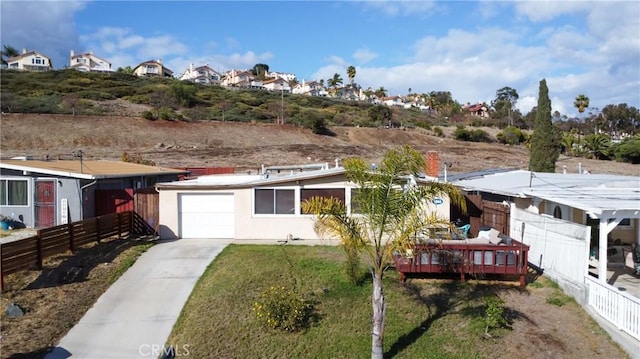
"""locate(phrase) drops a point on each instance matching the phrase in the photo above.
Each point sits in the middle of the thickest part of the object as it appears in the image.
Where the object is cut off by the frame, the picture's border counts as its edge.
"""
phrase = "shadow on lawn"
(452, 295)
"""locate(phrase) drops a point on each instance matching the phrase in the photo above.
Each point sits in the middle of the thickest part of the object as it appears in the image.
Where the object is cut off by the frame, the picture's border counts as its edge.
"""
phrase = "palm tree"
(381, 92)
(334, 82)
(597, 146)
(567, 142)
(390, 212)
(581, 103)
(351, 72)
(8, 52)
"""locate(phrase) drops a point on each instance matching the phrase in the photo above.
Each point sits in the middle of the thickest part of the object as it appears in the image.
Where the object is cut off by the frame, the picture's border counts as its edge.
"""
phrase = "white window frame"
(296, 200)
(7, 205)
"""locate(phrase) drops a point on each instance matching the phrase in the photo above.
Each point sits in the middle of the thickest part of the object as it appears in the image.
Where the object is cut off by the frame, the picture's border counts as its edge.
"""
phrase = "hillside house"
(311, 88)
(152, 68)
(202, 75)
(30, 61)
(88, 62)
(479, 109)
(236, 78)
(276, 84)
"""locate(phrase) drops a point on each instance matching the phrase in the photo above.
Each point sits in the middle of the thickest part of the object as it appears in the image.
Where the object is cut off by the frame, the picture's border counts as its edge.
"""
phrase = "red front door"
(45, 203)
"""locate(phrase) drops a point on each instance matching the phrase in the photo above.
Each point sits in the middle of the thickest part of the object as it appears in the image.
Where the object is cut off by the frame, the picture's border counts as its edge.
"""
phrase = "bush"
(511, 136)
(628, 150)
(148, 115)
(438, 131)
(282, 308)
(477, 135)
(494, 313)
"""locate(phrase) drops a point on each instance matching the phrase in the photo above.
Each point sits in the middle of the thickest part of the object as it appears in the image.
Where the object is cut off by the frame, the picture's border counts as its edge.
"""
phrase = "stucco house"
(311, 88)
(30, 61)
(259, 206)
(88, 62)
(276, 84)
(478, 109)
(152, 68)
(202, 75)
(580, 228)
(236, 78)
(44, 193)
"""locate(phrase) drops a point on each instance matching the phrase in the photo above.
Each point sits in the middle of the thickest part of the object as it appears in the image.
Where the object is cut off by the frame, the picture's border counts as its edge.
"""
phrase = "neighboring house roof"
(233, 181)
(26, 54)
(593, 193)
(91, 169)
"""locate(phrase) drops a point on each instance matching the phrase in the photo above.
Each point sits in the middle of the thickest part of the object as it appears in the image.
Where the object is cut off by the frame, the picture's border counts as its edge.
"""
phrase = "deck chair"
(464, 230)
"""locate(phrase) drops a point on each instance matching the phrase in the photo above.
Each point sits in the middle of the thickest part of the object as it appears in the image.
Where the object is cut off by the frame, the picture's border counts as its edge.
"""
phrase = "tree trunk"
(379, 311)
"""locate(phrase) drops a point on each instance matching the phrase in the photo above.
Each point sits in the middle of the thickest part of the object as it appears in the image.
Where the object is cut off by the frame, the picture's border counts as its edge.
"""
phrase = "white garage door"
(206, 215)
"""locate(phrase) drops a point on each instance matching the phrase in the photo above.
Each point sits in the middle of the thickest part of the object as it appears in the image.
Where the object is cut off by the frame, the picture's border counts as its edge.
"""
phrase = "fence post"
(39, 250)
(72, 244)
(98, 229)
(118, 225)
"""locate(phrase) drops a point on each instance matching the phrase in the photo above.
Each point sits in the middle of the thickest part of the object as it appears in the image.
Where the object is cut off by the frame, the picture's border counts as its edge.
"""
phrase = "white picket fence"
(619, 308)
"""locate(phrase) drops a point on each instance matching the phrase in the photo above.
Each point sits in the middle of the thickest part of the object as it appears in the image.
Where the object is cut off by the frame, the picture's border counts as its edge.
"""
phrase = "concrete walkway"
(134, 317)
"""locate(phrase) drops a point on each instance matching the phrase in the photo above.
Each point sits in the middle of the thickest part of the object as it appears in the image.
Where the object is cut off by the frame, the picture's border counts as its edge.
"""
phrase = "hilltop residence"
(152, 68)
(30, 61)
(88, 62)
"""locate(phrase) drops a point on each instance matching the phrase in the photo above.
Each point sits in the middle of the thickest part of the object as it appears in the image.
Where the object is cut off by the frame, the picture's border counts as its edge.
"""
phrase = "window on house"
(13, 192)
(557, 212)
(306, 194)
(275, 201)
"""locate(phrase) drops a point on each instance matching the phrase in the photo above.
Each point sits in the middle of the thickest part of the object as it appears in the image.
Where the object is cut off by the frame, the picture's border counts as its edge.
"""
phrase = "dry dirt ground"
(247, 146)
(56, 297)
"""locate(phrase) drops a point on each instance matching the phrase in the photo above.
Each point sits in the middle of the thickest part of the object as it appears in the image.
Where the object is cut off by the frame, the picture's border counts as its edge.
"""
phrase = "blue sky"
(471, 48)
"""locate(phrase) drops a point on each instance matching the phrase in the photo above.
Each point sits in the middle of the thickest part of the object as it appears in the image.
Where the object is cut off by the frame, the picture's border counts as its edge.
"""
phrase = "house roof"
(88, 54)
(91, 169)
(25, 54)
(235, 181)
(597, 194)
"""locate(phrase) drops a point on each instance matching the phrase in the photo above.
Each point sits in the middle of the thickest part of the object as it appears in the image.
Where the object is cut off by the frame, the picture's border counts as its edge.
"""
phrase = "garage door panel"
(207, 215)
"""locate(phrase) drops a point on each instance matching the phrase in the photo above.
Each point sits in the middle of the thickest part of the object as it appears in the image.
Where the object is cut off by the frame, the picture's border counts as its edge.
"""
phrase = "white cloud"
(364, 56)
(545, 10)
(44, 26)
(402, 8)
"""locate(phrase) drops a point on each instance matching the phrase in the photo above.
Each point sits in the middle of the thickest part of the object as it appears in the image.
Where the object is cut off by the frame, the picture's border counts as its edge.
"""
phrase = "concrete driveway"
(134, 317)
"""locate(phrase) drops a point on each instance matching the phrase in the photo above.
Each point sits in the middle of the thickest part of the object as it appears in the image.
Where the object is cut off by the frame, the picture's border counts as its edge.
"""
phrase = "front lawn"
(435, 318)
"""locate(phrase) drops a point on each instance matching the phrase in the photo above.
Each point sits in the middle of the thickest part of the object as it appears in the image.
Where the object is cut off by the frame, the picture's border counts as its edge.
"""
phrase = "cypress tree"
(545, 141)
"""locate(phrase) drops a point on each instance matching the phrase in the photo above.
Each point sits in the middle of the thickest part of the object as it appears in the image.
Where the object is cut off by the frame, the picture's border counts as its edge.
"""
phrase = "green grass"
(425, 319)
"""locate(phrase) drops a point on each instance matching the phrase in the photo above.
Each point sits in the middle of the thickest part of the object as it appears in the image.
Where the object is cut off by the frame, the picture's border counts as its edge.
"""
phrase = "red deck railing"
(457, 256)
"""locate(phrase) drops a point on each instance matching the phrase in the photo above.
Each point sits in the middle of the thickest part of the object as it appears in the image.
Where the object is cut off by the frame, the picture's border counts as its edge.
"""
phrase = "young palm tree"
(390, 212)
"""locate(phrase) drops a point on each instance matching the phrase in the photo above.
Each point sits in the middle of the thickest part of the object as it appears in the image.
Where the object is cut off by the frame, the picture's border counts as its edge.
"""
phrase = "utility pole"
(282, 103)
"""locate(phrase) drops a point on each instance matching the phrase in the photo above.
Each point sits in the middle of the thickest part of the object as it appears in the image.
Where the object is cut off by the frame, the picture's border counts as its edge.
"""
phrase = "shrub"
(511, 136)
(476, 135)
(282, 308)
(148, 115)
(438, 131)
(424, 124)
(494, 313)
(628, 150)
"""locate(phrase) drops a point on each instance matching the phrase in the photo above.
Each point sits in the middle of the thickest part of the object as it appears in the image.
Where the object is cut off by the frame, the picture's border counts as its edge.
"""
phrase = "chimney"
(24, 50)
(432, 164)
(160, 61)
(72, 53)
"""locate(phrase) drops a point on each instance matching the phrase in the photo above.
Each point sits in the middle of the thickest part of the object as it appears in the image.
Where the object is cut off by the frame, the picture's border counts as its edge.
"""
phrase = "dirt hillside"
(248, 146)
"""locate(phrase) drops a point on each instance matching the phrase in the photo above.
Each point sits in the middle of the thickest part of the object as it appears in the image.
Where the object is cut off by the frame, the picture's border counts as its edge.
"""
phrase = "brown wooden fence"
(30, 252)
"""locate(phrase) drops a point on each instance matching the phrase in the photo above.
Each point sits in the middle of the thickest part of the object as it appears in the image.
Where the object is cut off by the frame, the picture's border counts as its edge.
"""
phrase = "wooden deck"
(460, 256)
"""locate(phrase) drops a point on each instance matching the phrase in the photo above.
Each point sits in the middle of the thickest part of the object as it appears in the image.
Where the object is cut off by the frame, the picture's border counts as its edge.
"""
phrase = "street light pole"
(282, 103)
